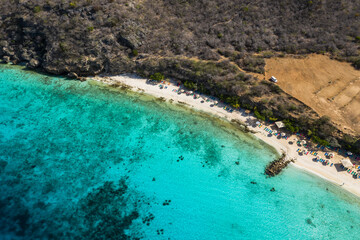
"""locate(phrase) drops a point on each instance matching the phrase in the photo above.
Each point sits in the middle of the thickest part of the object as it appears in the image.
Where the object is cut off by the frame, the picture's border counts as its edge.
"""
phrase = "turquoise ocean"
(82, 160)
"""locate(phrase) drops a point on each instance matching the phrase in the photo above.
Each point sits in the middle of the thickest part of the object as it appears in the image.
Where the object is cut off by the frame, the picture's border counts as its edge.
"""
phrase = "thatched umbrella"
(283, 134)
(303, 142)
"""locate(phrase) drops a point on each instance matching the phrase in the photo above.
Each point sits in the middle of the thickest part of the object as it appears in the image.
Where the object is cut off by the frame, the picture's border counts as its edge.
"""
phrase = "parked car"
(273, 79)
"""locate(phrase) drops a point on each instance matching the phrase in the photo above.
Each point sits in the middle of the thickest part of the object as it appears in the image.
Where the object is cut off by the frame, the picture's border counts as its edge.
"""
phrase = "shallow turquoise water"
(79, 160)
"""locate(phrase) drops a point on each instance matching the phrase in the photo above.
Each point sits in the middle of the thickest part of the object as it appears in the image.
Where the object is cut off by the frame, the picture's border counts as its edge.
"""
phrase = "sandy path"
(341, 178)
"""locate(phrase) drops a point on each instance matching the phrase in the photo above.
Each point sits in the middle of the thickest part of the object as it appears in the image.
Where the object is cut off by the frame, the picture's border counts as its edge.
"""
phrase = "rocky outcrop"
(276, 166)
(73, 75)
(33, 63)
(6, 59)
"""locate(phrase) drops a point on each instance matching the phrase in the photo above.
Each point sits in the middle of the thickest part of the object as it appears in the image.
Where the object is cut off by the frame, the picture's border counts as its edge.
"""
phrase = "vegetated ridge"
(205, 44)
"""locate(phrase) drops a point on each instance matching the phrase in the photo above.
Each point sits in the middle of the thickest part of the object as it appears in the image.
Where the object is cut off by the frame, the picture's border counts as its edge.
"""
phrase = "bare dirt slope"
(328, 86)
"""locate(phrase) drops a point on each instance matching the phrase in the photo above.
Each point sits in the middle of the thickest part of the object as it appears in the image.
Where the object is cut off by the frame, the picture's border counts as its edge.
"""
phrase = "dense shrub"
(157, 77)
(190, 85)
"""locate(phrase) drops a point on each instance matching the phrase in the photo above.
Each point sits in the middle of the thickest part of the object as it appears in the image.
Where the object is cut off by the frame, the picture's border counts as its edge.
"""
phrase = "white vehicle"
(273, 79)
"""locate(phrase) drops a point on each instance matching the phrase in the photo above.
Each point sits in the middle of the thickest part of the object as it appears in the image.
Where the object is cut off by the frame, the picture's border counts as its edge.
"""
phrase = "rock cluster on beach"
(276, 166)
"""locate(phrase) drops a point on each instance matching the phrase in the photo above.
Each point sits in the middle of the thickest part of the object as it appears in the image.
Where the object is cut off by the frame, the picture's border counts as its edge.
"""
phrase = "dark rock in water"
(105, 214)
(237, 163)
(253, 182)
(309, 221)
(272, 190)
(166, 203)
(153, 179)
(276, 166)
(148, 219)
(3, 164)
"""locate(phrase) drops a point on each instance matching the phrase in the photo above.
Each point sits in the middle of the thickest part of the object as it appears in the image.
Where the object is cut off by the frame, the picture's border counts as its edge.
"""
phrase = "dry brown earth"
(328, 86)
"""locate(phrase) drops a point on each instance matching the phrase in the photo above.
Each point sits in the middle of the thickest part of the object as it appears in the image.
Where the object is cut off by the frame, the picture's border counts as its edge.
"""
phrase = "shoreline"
(203, 103)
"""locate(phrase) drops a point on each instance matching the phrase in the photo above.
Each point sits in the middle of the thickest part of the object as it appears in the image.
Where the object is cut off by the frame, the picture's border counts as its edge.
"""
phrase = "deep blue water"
(80, 160)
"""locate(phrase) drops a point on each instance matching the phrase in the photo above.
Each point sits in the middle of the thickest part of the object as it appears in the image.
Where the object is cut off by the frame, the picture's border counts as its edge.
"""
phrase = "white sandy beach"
(333, 174)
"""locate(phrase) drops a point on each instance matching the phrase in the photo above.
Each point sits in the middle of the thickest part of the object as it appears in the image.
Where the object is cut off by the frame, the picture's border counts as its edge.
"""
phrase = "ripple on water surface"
(83, 160)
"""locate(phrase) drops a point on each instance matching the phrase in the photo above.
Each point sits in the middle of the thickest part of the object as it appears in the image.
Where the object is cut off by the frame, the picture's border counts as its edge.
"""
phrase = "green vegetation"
(157, 77)
(258, 115)
(291, 126)
(190, 85)
(72, 4)
(320, 141)
(135, 52)
(63, 46)
(37, 9)
(90, 29)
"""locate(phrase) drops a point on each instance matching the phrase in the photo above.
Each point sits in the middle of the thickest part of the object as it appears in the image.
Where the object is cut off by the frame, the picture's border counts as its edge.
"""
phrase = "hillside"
(209, 45)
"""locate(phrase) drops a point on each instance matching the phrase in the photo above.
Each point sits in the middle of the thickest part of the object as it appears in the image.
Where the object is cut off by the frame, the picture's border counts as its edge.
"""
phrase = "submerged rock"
(3, 164)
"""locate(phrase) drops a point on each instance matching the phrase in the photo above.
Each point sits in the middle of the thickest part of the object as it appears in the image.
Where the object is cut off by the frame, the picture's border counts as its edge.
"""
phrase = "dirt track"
(328, 86)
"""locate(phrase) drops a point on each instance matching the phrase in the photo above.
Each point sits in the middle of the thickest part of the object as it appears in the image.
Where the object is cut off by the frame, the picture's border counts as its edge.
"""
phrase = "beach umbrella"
(331, 155)
(303, 142)
(283, 134)
(182, 90)
(257, 123)
(349, 153)
(274, 132)
(191, 92)
(216, 102)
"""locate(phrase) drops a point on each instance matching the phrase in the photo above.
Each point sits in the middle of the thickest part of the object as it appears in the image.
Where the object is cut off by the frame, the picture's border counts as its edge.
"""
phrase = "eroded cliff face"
(205, 43)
